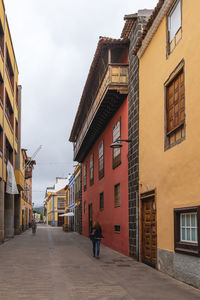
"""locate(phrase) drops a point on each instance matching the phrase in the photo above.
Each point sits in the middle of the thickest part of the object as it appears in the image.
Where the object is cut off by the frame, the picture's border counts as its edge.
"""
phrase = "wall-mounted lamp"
(117, 143)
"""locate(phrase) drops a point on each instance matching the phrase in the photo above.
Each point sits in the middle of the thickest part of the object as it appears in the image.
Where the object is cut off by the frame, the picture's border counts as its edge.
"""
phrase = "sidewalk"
(54, 265)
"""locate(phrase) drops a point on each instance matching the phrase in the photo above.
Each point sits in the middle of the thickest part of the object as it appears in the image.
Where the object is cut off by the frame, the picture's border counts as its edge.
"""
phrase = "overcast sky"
(54, 43)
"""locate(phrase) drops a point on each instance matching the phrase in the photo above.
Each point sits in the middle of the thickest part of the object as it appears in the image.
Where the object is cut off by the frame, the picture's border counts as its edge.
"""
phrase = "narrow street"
(57, 265)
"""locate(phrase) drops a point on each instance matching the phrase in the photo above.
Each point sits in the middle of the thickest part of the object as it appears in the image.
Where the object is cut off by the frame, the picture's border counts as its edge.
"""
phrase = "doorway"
(149, 229)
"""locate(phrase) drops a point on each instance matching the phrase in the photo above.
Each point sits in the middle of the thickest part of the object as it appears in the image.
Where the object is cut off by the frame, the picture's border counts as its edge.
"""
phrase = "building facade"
(71, 204)
(102, 118)
(133, 28)
(169, 139)
(10, 129)
(78, 199)
(55, 200)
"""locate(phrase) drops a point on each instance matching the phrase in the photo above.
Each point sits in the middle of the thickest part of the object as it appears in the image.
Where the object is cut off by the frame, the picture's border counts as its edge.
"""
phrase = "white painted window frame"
(176, 9)
(190, 227)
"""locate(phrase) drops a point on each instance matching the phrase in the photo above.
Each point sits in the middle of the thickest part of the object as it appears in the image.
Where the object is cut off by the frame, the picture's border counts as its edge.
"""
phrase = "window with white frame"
(174, 26)
(85, 177)
(101, 160)
(188, 223)
(174, 20)
(116, 151)
(187, 230)
(91, 169)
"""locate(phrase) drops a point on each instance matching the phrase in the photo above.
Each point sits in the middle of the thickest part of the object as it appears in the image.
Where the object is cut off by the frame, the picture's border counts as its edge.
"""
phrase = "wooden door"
(90, 221)
(149, 231)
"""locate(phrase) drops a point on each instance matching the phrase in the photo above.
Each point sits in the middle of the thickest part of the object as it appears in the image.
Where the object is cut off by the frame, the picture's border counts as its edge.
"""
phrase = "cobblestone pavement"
(54, 265)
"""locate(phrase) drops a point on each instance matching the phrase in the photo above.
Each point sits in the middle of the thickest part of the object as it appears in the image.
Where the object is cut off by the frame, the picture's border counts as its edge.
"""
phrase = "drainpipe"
(137, 227)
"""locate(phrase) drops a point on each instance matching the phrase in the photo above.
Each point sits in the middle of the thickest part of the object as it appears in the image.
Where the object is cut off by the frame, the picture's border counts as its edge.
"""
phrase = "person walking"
(96, 237)
(34, 226)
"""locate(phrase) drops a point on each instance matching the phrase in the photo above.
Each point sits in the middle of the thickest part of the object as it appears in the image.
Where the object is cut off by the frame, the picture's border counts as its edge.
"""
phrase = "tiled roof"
(130, 20)
(104, 42)
(149, 24)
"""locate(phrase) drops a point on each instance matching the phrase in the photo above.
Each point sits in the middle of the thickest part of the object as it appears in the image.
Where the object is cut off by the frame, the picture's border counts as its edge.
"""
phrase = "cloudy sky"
(54, 44)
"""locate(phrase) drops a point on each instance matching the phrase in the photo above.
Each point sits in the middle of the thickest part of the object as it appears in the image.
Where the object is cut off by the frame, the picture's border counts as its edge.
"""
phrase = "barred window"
(117, 195)
(116, 151)
(101, 160)
(92, 169)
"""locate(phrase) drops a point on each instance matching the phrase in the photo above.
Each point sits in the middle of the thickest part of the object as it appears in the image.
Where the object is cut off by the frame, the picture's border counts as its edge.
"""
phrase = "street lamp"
(117, 143)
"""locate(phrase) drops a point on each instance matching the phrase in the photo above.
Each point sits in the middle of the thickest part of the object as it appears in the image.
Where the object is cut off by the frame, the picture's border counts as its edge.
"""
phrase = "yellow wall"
(174, 173)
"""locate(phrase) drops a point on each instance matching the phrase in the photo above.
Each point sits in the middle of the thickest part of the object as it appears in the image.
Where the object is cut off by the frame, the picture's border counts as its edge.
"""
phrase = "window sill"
(187, 251)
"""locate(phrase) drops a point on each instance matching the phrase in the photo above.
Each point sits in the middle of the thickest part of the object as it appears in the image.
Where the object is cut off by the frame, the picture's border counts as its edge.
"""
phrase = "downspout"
(137, 227)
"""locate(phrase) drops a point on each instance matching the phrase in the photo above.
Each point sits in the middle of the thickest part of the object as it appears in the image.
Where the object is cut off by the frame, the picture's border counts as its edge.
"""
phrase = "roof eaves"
(103, 43)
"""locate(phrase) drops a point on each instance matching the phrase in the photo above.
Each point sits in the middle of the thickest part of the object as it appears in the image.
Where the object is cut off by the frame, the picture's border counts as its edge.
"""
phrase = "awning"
(69, 214)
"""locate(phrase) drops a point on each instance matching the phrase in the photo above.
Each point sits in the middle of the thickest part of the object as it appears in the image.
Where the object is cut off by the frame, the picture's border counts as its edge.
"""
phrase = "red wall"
(110, 216)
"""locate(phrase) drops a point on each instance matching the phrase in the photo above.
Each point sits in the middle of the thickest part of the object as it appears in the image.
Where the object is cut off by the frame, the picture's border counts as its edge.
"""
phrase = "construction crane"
(33, 156)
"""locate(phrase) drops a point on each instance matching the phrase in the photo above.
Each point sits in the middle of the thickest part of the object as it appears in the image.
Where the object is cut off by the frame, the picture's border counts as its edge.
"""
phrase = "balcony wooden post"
(109, 56)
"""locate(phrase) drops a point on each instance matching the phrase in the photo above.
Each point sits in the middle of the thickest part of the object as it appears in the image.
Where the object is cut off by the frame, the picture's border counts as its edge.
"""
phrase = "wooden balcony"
(111, 93)
(19, 177)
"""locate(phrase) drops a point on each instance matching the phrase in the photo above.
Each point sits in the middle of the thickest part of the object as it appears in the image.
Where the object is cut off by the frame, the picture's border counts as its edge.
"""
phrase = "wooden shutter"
(175, 103)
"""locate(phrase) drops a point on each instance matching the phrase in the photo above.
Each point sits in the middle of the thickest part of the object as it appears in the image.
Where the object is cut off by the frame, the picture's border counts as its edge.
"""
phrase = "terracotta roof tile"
(130, 20)
(103, 43)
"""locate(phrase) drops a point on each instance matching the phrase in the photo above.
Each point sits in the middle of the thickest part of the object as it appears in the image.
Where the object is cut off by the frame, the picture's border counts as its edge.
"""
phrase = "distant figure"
(96, 236)
(34, 226)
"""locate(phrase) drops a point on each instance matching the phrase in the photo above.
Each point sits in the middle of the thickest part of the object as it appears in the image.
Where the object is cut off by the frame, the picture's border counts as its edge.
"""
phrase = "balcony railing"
(19, 179)
(116, 77)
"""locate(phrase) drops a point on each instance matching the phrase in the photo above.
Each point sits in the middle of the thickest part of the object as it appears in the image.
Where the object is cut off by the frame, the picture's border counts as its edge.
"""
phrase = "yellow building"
(10, 125)
(78, 206)
(66, 218)
(55, 199)
(26, 194)
(169, 135)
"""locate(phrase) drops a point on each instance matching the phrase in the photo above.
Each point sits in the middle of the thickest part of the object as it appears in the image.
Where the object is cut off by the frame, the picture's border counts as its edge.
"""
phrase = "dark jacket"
(96, 233)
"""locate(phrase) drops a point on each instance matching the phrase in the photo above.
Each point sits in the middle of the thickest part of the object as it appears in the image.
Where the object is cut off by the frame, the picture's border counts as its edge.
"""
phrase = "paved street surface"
(54, 265)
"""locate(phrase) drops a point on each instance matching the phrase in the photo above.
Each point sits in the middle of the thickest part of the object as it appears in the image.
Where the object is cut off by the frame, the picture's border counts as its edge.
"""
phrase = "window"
(189, 227)
(117, 195)
(1, 90)
(116, 151)
(9, 68)
(1, 139)
(117, 228)
(101, 201)
(101, 160)
(92, 169)
(16, 129)
(175, 110)
(9, 111)
(61, 203)
(17, 95)
(85, 177)
(8, 151)
(84, 207)
(187, 230)
(1, 39)
(174, 26)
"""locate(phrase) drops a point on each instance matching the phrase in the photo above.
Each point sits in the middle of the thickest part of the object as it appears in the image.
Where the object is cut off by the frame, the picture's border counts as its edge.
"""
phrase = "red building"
(101, 119)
